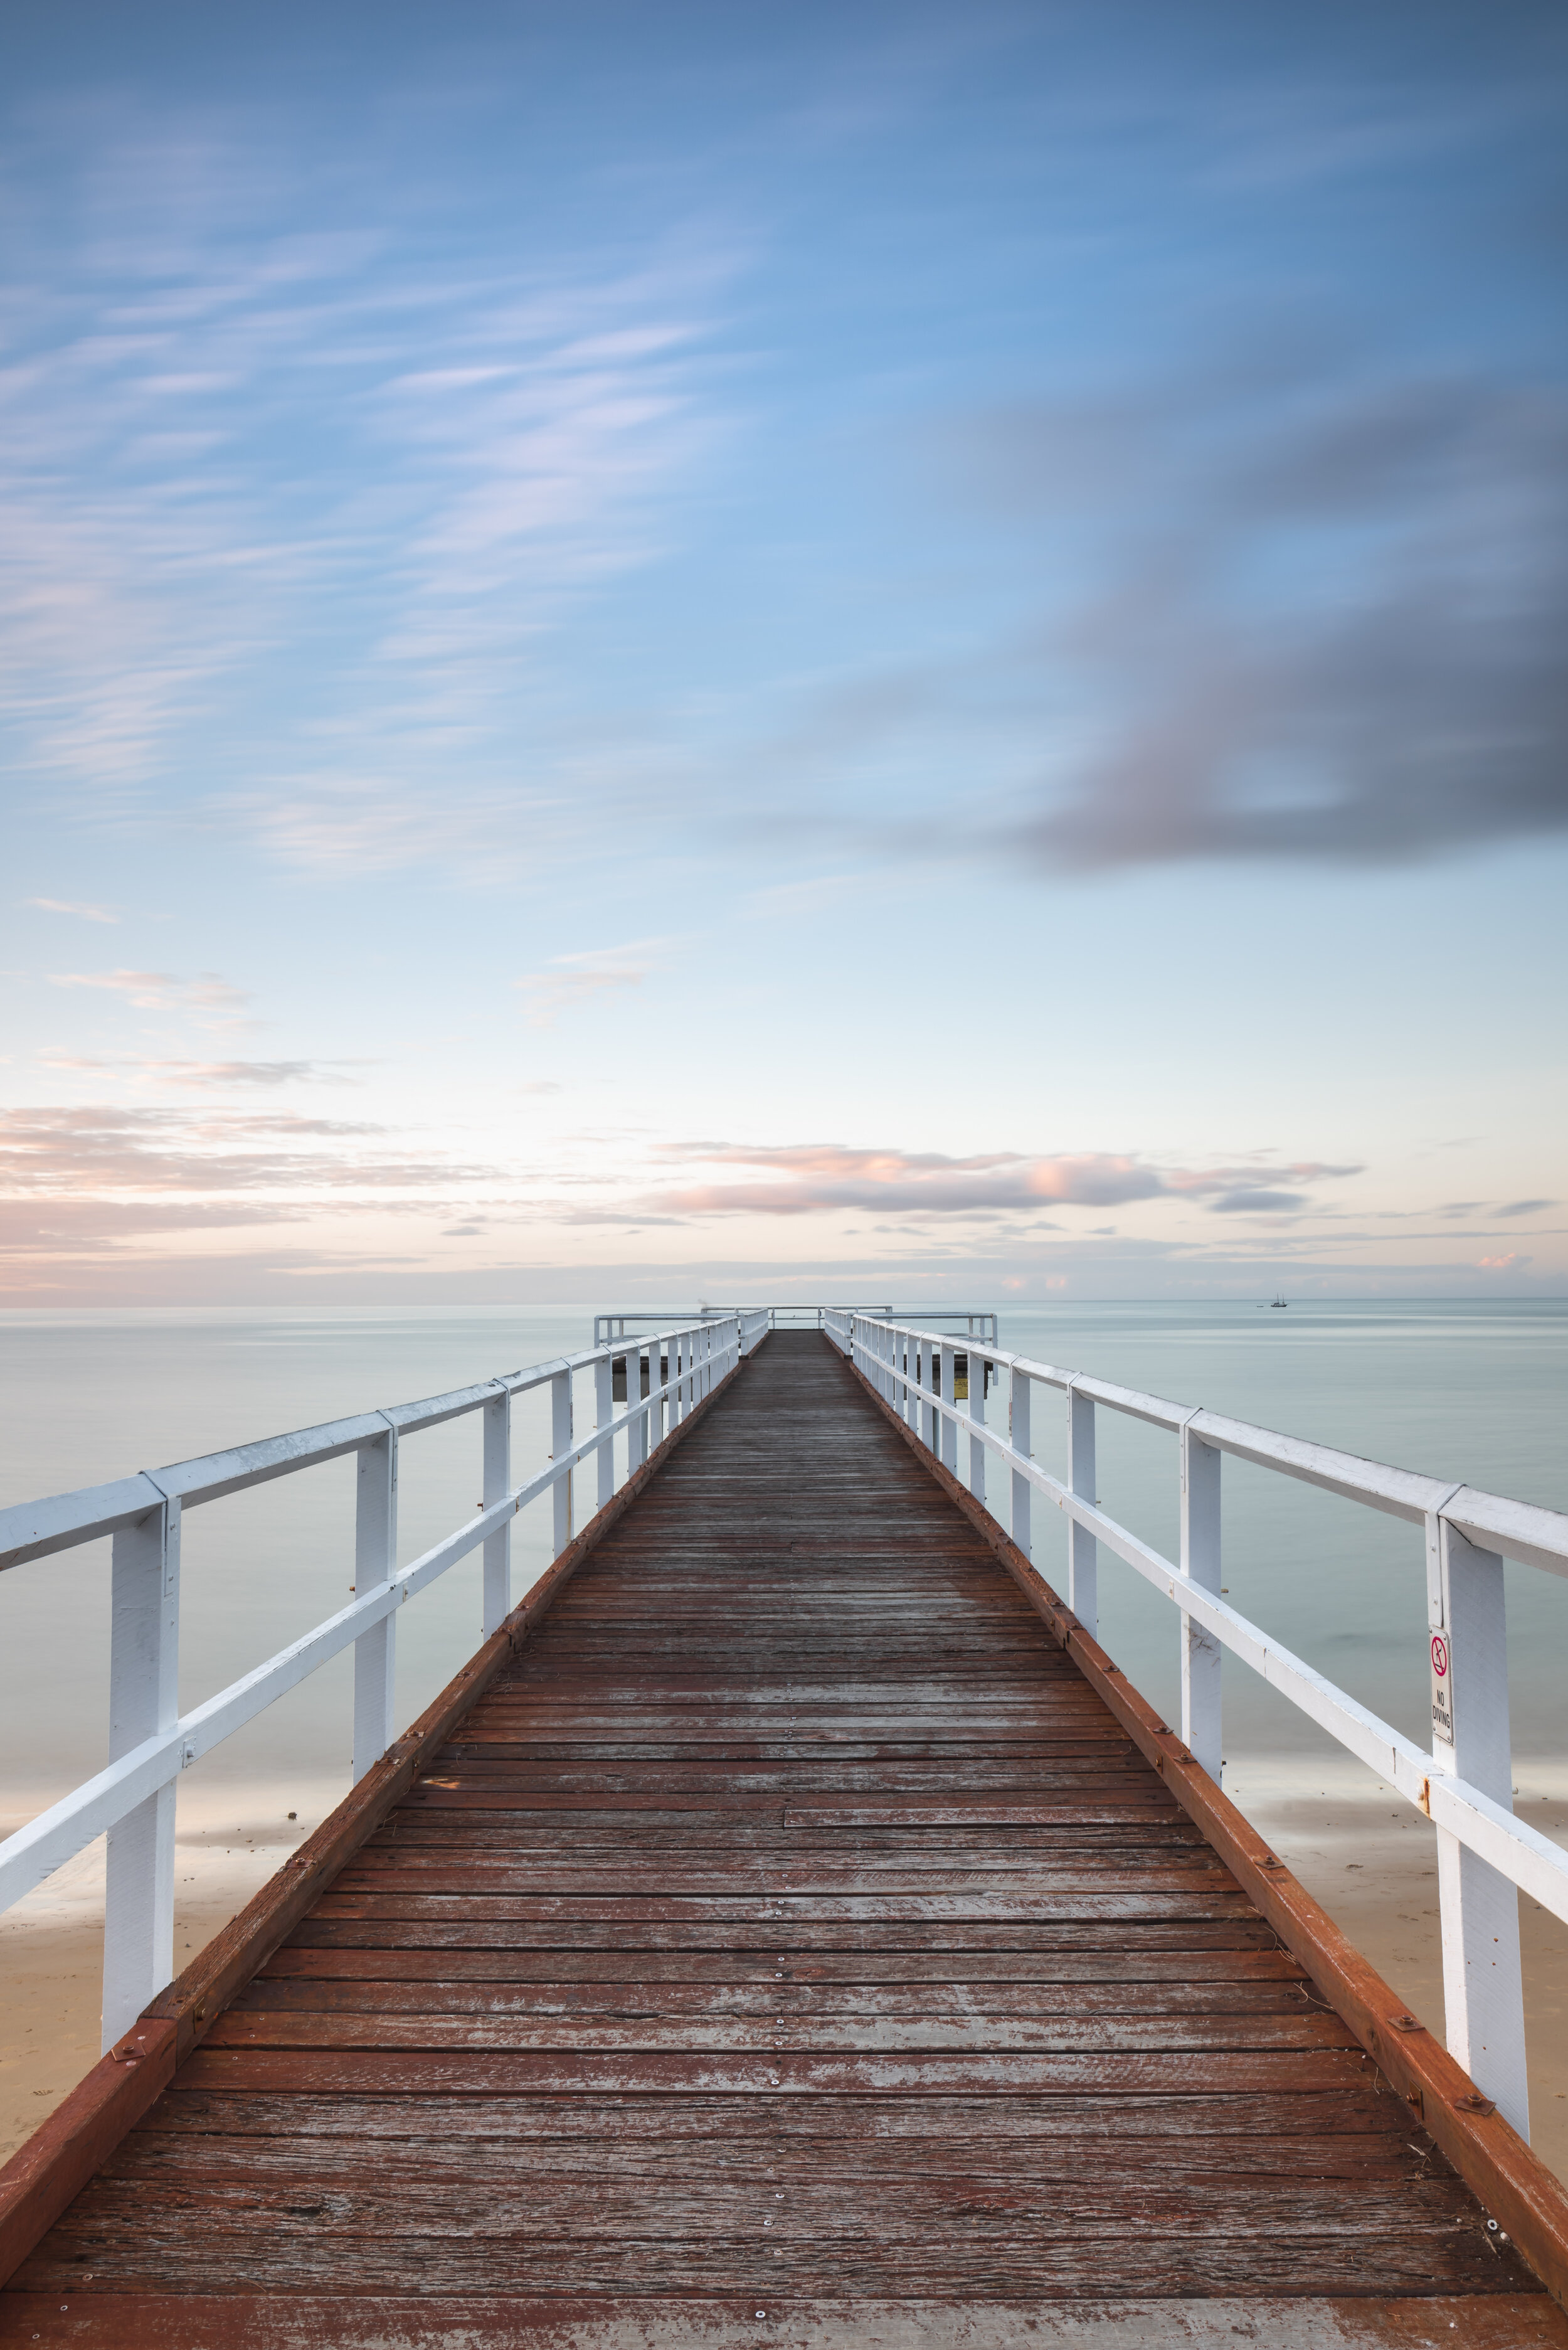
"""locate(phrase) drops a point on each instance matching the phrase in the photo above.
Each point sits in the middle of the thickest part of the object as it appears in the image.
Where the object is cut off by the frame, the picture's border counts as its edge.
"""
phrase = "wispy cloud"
(546, 994)
(245, 414)
(574, 979)
(201, 1076)
(64, 906)
(158, 991)
(825, 1178)
(95, 1148)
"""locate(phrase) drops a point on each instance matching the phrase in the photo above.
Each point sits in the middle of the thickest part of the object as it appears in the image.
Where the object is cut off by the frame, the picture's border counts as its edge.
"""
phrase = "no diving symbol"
(1440, 1655)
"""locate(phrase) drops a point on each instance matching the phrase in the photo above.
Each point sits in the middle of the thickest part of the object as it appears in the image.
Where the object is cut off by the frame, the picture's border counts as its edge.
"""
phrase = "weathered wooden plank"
(585, 2208)
(788, 2071)
(710, 2035)
(1082, 1975)
(1358, 2112)
(1010, 2257)
(299, 1994)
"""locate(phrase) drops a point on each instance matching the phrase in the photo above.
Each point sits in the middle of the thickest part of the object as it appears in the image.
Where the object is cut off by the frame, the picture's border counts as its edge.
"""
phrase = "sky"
(706, 652)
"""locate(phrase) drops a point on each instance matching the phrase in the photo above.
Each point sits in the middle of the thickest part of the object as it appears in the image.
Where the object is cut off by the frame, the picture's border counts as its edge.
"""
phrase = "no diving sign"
(1442, 1689)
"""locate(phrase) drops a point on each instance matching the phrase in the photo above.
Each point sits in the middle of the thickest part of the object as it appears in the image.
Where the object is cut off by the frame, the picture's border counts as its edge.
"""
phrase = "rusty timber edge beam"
(1513, 2182)
(55, 2164)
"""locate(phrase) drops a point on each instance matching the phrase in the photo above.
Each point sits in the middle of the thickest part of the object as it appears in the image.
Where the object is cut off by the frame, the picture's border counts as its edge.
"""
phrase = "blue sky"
(690, 648)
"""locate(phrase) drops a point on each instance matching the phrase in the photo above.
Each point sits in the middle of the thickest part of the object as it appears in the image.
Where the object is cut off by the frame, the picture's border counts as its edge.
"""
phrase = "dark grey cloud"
(1257, 1203)
(1318, 615)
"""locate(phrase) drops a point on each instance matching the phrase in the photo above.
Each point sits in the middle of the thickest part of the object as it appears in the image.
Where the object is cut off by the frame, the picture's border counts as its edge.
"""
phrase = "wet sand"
(51, 1944)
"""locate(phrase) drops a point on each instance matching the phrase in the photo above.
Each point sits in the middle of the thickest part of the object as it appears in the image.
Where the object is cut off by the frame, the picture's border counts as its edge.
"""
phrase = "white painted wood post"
(1018, 1436)
(497, 1485)
(637, 1432)
(924, 1371)
(143, 1699)
(949, 1439)
(560, 1445)
(1483, 1994)
(604, 1412)
(1083, 1550)
(1202, 1726)
(976, 1413)
(375, 1557)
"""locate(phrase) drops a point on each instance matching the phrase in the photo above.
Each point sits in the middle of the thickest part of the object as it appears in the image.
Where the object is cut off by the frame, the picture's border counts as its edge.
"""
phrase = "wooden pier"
(789, 1945)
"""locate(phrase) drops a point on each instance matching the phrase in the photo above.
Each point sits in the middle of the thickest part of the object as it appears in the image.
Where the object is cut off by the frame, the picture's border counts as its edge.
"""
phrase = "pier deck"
(790, 1946)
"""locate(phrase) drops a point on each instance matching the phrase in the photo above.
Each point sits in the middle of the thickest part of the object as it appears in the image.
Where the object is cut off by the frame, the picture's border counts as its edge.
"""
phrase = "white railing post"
(977, 1413)
(375, 1557)
(924, 1374)
(497, 1485)
(143, 1699)
(604, 1412)
(948, 1436)
(637, 1431)
(1082, 1551)
(1483, 1996)
(1201, 1716)
(560, 1445)
(1018, 1437)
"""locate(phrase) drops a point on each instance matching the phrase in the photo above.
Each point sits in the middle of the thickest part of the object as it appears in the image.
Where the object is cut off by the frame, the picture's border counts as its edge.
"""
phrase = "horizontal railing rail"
(1463, 1783)
(132, 1799)
(979, 1321)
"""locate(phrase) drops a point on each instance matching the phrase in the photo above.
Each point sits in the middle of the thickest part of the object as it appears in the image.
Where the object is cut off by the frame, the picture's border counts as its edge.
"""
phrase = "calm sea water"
(1461, 1390)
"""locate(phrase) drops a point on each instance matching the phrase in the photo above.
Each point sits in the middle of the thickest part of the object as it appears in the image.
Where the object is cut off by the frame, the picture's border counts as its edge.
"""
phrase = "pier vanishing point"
(790, 1928)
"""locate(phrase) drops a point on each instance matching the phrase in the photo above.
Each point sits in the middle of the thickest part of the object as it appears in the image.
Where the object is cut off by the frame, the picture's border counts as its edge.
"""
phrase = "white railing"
(1464, 1785)
(150, 1743)
(979, 1321)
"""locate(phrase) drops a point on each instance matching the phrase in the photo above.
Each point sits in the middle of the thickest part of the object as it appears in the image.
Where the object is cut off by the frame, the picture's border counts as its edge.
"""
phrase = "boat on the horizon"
(1279, 1301)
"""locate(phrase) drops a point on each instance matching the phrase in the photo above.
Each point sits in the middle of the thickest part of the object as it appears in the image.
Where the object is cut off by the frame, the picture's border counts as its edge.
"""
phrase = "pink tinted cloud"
(821, 1177)
(158, 990)
(74, 1153)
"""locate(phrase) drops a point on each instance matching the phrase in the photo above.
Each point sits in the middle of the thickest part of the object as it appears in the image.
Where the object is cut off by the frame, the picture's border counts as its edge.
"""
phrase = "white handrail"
(1463, 1783)
(152, 1742)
